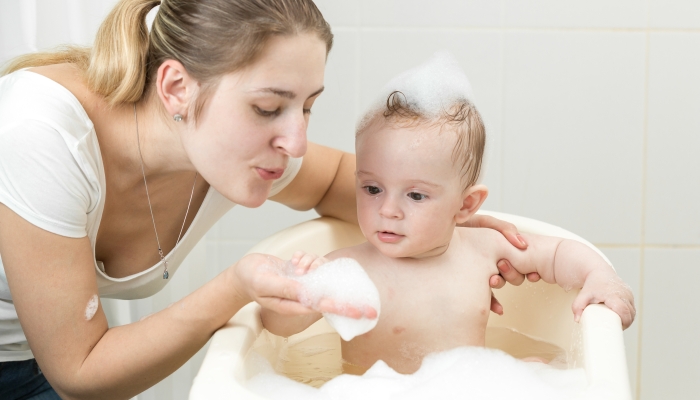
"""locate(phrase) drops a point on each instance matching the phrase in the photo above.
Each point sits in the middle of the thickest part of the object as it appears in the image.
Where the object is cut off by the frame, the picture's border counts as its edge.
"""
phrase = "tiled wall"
(593, 108)
(593, 112)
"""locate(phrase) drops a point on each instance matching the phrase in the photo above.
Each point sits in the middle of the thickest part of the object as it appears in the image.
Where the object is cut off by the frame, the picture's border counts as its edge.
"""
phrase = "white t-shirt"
(51, 174)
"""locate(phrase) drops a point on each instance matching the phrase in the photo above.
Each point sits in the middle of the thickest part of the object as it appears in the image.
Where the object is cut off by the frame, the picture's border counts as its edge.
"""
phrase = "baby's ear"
(472, 199)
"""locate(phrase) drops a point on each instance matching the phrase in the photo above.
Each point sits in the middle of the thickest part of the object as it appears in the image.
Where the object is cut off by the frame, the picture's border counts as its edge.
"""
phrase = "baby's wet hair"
(460, 117)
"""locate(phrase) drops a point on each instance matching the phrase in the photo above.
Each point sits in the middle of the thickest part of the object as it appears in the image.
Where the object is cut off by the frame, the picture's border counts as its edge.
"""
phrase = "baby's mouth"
(389, 237)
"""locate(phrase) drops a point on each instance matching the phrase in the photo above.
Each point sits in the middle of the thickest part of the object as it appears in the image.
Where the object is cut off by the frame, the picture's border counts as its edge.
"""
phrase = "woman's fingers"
(533, 277)
(328, 305)
(497, 281)
(496, 306)
(506, 228)
(509, 273)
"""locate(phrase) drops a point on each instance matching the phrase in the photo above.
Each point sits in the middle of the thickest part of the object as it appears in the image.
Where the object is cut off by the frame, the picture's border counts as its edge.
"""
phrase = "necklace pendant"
(166, 275)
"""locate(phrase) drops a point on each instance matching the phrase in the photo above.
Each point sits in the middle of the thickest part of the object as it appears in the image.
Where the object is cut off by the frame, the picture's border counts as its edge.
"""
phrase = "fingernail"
(521, 240)
(502, 266)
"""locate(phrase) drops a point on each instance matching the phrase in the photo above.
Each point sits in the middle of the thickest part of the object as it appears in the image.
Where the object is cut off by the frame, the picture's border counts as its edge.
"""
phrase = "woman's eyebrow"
(288, 94)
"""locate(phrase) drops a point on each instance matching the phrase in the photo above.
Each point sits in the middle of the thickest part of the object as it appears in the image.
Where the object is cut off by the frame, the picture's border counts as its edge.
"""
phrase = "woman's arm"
(325, 182)
(52, 279)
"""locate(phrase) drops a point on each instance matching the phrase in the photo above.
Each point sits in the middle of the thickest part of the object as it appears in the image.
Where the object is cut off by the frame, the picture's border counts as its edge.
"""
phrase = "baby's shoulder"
(357, 252)
(481, 240)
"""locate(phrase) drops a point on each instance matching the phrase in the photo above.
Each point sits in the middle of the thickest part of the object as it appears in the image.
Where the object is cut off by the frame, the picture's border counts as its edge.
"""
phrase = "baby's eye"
(307, 111)
(372, 189)
(417, 196)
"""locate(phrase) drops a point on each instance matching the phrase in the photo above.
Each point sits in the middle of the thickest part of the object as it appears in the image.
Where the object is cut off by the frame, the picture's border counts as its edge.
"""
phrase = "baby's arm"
(573, 265)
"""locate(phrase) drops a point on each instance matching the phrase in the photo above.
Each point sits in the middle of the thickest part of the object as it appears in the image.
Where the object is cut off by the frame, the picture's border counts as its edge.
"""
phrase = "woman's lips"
(389, 237)
(270, 174)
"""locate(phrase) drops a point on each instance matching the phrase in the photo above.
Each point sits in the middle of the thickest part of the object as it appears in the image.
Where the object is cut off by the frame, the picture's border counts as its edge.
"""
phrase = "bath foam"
(460, 373)
(431, 88)
(346, 282)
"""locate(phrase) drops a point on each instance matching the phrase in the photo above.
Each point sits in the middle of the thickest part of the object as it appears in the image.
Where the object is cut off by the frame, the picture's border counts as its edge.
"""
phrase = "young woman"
(116, 160)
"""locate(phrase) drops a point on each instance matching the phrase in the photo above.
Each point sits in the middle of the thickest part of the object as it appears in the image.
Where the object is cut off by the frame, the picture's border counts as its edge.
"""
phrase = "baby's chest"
(425, 303)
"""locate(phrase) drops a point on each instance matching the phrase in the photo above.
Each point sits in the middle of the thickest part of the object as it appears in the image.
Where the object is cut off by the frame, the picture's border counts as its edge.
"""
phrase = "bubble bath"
(345, 281)
(313, 369)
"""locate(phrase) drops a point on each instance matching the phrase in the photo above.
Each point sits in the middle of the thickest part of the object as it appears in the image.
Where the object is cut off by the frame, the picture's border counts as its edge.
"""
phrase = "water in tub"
(313, 368)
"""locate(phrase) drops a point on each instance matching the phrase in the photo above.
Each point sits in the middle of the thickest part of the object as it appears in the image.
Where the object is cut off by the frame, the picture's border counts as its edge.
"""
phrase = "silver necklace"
(153, 219)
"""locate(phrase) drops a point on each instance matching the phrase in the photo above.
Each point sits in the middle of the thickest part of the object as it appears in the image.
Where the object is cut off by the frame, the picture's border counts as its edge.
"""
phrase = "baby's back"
(427, 305)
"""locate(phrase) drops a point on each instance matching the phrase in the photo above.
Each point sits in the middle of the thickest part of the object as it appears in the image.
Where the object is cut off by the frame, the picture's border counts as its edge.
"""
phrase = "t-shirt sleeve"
(290, 173)
(41, 180)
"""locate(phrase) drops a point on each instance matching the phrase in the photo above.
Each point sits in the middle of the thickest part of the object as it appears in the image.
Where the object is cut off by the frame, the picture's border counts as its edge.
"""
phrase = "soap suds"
(344, 281)
(460, 373)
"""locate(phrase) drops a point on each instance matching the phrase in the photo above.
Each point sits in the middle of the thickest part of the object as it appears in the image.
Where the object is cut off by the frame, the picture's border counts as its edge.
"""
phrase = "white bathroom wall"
(593, 112)
(593, 108)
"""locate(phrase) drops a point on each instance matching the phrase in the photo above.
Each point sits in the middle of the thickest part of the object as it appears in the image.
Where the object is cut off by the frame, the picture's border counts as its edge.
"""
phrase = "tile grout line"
(502, 177)
(642, 248)
(515, 29)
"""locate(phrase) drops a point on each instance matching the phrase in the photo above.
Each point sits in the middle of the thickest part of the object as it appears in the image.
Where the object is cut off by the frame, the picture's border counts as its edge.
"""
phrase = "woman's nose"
(390, 208)
(292, 138)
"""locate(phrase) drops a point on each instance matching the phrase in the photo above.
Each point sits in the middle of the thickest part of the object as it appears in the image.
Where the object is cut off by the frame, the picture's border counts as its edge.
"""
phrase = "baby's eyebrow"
(425, 182)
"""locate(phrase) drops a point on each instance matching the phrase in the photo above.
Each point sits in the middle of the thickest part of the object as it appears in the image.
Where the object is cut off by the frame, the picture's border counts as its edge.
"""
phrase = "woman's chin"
(252, 198)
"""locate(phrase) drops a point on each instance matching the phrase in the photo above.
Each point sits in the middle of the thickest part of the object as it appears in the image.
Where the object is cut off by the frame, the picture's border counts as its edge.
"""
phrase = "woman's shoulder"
(53, 93)
(71, 78)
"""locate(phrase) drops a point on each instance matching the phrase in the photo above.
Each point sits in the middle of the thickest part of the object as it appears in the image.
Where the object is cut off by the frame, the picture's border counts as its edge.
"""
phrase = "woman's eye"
(267, 113)
(417, 196)
(372, 189)
(307, 111)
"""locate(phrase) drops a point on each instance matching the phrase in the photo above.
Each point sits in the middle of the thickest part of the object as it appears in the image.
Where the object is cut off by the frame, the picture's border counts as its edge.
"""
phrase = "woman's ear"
(175, 87)
(472, 199)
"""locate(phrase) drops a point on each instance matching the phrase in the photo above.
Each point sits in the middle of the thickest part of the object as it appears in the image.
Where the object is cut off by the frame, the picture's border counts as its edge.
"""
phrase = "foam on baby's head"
(435, 92)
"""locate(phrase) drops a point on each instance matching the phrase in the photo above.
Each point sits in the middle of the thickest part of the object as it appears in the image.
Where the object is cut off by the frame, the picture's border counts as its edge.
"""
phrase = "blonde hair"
(209, 37)
(461, 116)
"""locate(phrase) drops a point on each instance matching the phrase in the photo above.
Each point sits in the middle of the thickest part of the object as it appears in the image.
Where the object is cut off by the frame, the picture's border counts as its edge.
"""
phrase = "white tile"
(670, 350)
(673, 165)
(436, 13)
(255, 224)
(16, 37)
(575, 14)
(52, 26)
(333, 115)
(384, 55)
(627, 264)
(573, 131)
(339, 13)
(674, 14)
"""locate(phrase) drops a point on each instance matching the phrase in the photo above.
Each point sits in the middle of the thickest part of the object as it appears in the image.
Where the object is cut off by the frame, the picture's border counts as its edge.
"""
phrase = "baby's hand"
(305, 262)
(606, 287)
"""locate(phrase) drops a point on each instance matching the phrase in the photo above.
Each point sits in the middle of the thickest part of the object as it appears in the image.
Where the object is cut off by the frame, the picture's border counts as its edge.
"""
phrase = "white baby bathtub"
(538, 310)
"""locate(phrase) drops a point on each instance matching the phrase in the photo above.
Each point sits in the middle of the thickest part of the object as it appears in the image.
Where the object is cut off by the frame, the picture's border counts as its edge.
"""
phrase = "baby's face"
(408, 189)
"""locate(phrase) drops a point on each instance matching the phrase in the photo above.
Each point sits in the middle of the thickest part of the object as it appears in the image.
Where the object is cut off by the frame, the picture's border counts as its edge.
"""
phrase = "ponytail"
(117, 67)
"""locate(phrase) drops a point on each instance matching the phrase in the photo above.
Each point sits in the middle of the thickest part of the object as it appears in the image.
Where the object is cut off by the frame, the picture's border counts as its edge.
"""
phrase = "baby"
(419, 159)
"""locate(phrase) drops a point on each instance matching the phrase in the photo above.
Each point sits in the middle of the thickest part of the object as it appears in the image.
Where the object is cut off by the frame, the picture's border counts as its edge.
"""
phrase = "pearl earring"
(177, 117)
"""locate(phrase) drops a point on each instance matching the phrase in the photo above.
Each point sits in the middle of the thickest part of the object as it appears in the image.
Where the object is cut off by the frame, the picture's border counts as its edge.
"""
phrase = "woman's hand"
(507, 272)
(264, 279)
